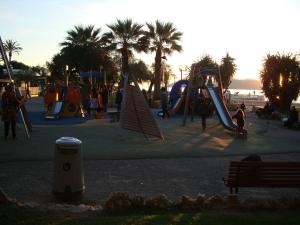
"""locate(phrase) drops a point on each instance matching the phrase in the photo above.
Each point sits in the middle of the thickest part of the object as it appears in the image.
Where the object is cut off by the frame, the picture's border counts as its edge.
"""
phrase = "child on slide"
(239, 116)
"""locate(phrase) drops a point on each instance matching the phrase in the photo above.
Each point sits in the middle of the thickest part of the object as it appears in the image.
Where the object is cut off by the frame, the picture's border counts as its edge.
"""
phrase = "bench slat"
(263, 174)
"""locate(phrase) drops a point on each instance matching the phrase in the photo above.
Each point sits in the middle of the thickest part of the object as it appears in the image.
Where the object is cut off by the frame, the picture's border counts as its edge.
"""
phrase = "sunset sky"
(247, 29)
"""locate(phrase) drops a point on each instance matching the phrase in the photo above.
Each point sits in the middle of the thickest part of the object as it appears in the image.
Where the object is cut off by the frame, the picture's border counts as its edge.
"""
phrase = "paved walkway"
(32, 181)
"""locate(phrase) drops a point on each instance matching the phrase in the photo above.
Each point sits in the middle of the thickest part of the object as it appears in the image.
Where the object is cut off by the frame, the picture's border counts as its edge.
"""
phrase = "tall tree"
(163, 40)
(125, 37)
(82, 36)
(206, 62)
(227, 70)
(12, 47)
(83, 48)
(140, 71)
(280, 79)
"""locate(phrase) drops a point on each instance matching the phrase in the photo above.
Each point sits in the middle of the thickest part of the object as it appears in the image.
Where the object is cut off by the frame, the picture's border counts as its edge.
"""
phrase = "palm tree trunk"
(125, 66)
(157, 78)
(9, 56)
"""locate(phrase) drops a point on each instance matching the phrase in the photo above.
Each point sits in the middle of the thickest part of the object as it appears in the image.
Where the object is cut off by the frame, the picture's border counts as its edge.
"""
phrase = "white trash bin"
(68, 168)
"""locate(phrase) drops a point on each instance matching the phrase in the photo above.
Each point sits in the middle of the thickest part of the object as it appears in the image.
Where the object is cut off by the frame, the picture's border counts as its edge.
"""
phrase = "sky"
(247, 29)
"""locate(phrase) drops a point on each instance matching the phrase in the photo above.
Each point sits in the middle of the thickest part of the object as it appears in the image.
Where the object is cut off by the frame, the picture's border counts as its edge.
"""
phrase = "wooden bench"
(263, 174)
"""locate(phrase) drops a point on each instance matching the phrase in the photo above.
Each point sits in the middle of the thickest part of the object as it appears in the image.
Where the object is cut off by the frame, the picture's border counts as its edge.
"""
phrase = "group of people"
(94, 99)
(267, 110)
(97, 100)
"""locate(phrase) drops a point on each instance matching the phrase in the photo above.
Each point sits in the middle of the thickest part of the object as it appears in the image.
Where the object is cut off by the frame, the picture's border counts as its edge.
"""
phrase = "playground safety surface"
(187, 162)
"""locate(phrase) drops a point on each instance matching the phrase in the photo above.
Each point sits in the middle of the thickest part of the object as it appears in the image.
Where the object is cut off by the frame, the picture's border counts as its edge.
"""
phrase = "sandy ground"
(187, 162)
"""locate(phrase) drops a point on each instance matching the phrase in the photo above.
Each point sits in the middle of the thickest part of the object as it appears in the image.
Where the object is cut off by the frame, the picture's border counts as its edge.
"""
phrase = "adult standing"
(10, 104)
(104, 95)
(118, 101)
(204, 112)
(164, 102)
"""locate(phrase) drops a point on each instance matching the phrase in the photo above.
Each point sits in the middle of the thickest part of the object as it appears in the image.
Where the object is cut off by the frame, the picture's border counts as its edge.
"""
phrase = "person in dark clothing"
(164, 102)
(204, 112)
(243, 107)
(94, 104)
(118, 101)
(293, 117)
(239, 116)
(104, 95)
(10, 104)
(193, 99)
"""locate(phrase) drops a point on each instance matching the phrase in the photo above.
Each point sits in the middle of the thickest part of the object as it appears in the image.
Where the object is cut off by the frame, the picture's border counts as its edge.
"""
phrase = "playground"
(187, 162)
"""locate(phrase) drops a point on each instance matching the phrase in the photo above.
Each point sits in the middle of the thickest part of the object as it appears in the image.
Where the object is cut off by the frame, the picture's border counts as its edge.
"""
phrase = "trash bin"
(68, 170)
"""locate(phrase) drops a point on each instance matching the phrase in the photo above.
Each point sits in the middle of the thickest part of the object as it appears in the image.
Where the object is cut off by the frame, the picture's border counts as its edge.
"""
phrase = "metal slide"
(177, 105)
(223, 113)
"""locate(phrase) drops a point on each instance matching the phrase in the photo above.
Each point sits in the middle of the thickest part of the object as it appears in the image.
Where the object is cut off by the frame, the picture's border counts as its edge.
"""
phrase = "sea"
(256, 92)
(243, 92)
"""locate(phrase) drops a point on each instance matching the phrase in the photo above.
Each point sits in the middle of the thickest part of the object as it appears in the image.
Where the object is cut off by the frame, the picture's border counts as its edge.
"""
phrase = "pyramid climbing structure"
(135, 112)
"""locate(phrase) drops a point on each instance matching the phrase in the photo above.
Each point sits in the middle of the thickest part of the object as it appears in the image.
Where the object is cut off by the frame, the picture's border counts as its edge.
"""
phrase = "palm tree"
(163, 40)
(227, 70)
(83, 49)
(82, 36)
(12, 47)
(125, 36)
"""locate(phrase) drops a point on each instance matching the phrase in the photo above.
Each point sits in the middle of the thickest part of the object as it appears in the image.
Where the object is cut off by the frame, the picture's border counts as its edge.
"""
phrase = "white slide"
(222, 111)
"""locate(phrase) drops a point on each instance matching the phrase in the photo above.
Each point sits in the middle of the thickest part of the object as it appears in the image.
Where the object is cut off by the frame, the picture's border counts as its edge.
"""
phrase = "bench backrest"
(264, 174)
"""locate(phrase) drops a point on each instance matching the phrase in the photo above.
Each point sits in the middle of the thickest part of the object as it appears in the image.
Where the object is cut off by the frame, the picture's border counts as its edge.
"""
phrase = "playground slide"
(176, 106)
(223, 113)
(57, 109)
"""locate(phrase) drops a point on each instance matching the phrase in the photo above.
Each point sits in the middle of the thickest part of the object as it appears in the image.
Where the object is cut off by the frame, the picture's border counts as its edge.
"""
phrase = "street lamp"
(180, 69)
(183, 68)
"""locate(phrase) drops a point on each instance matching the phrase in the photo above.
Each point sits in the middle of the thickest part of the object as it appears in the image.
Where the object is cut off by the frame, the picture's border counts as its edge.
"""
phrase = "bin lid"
(68, 141)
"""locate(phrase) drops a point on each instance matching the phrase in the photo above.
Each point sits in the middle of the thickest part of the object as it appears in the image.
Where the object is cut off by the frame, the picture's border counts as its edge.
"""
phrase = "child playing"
(239, 116)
